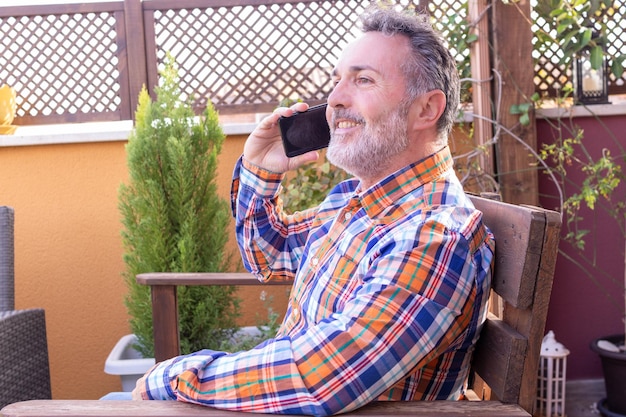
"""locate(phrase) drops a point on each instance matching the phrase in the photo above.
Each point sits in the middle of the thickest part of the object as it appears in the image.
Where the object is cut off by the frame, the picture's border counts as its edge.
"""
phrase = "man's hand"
(264, 147)
(141, 382)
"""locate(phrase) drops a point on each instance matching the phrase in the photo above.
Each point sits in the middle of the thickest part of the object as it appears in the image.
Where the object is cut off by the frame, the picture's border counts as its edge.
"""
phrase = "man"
(392, 270)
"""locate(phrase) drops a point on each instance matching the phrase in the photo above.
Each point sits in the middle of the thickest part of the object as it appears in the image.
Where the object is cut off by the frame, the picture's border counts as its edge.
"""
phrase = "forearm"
(160, 382)
(269, 240)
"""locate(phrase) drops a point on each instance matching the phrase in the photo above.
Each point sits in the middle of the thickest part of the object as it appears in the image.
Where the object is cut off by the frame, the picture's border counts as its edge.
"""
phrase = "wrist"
(260, 171)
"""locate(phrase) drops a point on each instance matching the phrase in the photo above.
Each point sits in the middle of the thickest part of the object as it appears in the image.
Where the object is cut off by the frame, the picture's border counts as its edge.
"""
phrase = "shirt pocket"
(341, 282)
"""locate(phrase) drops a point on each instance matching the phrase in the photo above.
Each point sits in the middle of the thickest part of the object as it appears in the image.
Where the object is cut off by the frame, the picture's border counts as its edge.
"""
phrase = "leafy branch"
(576, 26)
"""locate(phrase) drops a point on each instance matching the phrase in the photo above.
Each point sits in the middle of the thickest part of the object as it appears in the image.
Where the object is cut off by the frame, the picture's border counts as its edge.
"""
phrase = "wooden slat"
(165, 322)
(132, 57)
(95, 408)
(499, 359)
(532, 322)
(481, 88)
(519, 232)
(511, 25)
(203, 278)
(122, 40)
(152, 69)
(105, 116)
(190, 4)
(56, 9)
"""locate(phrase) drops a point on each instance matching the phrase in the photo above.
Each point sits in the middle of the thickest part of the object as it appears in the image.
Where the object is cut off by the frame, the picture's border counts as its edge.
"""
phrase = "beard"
(370, 152)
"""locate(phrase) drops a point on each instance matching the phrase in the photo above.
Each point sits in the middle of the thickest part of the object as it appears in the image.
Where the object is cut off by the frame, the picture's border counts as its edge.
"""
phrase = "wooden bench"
(503, 380)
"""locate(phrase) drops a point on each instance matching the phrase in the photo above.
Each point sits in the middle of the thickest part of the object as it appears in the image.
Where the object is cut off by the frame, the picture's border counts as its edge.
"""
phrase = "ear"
(426, 110)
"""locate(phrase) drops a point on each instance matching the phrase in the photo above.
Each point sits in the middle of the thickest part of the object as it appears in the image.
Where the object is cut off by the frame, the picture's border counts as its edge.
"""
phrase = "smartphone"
(305, 131)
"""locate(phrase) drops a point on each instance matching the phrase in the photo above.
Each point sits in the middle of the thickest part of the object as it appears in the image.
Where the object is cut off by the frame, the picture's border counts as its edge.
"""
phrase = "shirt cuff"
(162, 380)
(266, 184)
(157, 384)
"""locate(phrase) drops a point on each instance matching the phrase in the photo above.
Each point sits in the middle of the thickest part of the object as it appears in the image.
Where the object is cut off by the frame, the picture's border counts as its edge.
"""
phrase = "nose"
(339, 96)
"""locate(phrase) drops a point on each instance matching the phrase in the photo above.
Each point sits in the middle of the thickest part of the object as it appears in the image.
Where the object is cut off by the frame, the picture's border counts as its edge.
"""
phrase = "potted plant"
(173, 219)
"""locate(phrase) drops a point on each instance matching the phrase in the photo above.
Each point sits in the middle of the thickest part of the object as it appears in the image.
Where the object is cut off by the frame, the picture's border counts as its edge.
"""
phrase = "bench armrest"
(165, 303)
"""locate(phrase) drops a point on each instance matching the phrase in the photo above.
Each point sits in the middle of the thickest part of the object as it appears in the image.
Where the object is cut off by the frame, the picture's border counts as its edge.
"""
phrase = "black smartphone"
(305, 131)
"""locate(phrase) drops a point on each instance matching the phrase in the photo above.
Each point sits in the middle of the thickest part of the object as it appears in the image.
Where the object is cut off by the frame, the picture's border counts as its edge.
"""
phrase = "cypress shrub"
(173, 219)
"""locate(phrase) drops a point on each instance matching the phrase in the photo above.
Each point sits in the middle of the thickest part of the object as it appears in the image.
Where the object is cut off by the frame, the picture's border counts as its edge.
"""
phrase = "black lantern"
(590, 85)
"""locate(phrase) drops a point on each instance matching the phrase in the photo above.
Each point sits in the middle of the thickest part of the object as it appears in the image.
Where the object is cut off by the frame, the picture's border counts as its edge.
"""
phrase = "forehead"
(383, 53)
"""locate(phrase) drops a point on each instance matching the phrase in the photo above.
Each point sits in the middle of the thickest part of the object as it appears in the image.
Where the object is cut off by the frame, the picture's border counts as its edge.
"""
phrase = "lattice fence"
(252, 57)
(71, 63)
(551, 76)
(63, 65)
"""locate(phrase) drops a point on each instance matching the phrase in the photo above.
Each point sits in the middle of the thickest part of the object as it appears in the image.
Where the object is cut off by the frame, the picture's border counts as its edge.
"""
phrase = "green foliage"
(287, 102)
(267, 329)
(601, 177)
(310, 185)
(524, 110)
(173, 219)
(576, 25)
(459, 37)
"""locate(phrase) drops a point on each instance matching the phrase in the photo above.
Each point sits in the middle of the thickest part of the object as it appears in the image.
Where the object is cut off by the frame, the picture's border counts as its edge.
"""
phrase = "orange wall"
(68, 253)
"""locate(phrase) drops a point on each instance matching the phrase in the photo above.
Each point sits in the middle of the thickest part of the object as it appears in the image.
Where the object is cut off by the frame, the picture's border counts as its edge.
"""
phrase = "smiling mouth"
(347, 124)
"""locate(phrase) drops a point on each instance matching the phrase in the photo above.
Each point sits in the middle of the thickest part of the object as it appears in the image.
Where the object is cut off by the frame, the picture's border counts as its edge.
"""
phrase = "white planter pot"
(126, 362)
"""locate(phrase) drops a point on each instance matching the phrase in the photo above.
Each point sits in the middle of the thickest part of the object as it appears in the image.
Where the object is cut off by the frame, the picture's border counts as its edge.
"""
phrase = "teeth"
(346, 125)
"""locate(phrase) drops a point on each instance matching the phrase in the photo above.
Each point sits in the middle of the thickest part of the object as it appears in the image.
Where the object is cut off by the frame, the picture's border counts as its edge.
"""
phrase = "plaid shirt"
(390, 292)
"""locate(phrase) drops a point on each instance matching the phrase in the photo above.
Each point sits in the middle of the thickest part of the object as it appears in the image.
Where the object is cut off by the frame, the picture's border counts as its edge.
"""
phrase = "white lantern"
(551, 379)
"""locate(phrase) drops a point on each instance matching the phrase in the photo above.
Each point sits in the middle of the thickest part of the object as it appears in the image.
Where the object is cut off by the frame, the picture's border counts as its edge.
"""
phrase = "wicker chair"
(24, 366)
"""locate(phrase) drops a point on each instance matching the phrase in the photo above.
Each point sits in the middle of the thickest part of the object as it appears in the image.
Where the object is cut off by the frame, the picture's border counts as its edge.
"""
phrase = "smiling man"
(391, 272)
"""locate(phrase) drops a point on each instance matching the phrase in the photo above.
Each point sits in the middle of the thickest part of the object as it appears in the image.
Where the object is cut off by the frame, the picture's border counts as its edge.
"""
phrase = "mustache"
(346, 115)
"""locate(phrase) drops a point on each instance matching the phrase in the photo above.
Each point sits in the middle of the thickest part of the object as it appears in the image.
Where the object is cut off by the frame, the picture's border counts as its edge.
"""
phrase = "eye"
(363, 80)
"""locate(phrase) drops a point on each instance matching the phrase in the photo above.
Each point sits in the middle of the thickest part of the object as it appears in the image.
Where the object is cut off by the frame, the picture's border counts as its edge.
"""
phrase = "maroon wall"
(585, 306)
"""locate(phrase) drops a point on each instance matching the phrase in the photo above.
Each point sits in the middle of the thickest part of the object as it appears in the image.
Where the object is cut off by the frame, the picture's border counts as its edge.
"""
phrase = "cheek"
(370, 111)
(376, 114)
(379, 105)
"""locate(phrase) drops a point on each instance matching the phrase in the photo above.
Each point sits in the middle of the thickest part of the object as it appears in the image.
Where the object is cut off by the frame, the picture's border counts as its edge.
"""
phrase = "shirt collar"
(381, 195)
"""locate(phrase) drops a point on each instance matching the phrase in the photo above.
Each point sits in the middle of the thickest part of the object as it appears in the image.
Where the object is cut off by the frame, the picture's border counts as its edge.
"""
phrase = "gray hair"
(430, 67)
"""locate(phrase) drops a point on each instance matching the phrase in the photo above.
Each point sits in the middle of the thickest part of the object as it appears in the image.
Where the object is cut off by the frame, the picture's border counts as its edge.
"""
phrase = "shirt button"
(347, 216)
(315, 261)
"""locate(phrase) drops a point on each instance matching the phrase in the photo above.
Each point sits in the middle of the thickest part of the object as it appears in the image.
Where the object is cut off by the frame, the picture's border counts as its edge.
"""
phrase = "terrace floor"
(581, 397)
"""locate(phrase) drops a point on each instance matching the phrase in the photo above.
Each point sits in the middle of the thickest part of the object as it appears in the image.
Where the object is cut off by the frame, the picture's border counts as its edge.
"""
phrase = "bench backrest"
(507, 355)
(505, 363)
